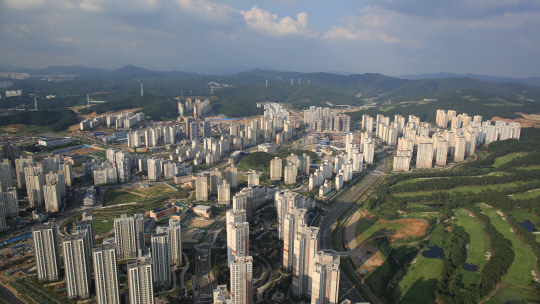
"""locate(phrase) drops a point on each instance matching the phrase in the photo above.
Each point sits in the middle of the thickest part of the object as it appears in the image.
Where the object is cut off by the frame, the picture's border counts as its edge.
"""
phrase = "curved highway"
(330, 219)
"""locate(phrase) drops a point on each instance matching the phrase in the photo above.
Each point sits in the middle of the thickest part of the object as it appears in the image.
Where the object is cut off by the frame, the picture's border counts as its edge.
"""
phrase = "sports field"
(420, 282)
(507, 158)
(478, 249)
(129, 195)
(513, 294)
(519, 272)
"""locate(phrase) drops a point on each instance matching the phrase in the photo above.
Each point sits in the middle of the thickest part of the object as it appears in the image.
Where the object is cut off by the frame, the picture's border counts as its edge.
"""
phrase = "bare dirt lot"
(528, 120)
(198, 223)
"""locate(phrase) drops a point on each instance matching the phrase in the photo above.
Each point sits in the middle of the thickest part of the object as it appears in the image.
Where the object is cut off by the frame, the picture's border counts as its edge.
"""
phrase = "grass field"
(474, 189)
(370, 226)
(529, 168)
(123, 196)
(519, 272)
(415, 180)
(420, 282)
(507, 158)
(478, 246)
(522, 216)
(526, 195)
(513, 294)
(103, 225)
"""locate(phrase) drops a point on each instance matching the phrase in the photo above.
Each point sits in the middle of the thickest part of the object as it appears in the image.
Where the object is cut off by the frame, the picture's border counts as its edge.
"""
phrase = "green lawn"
(435, 238)
(521, 216)
(507, 158)
(478, 246)
(513, 294)
(123, 196)
(420, 282)
(103, 227)
(526, 195)
(519, 272)
(474, 189)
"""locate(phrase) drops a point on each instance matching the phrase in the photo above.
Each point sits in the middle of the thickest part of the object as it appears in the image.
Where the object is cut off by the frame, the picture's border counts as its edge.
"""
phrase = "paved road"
(8, 296)
(330, 220)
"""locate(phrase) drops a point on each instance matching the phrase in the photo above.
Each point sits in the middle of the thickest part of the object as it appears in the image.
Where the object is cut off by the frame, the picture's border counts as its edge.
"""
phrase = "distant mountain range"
(533, 81)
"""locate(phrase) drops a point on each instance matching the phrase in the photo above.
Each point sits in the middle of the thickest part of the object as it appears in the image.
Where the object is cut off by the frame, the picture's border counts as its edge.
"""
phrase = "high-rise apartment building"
(224, 193)
(231, 175)
(276, 166)
(125, 234)
(424, 156)
(161, 260)
(291, 172)
(53, 197)
(306, 246)
(242, 280)
(291, 223)
(106, 273)
(175, 241)
(238, 240)
(201, 187)
(77, 265)
(253, 178)
(20, 164)
(8, 198)
(402, 161)
(215, 181)
(87, 223)
(325, 280)
(35, 180)
(442, 152)
(47, 252)
(141, 289)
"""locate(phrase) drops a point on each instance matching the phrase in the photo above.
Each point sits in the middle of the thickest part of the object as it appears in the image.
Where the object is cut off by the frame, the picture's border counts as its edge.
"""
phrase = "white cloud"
(208, 9)
(387, 38)
(349, 32)
(270, 23)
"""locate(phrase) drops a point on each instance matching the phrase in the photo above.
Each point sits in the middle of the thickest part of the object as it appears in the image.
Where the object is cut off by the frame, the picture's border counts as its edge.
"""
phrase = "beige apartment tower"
(306, 246)
(276, 168)
(141, 290)
(325, 282)
(175, 241)
(201, 187)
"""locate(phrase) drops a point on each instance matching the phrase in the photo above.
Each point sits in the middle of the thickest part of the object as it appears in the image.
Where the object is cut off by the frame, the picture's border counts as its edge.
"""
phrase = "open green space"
(513, 294)
(526, 195)
(421, 215)
(474, 189)
(529, 168)
(478, 246)
(420, 282)
(507, 158)
(103, 225)
(522, 216)
(436, 236)
(519, 272)
(370, 226)
(129, 195)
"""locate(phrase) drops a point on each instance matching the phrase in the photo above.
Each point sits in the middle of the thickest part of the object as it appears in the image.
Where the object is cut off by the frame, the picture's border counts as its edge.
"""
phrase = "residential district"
(49, 207)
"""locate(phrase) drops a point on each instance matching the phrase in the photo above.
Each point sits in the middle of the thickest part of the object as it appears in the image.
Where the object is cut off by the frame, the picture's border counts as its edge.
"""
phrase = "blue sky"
(493, 37)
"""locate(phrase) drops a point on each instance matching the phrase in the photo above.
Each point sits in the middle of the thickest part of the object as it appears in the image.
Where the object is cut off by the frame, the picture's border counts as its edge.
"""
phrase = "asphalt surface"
(8, 296)
(328, 222)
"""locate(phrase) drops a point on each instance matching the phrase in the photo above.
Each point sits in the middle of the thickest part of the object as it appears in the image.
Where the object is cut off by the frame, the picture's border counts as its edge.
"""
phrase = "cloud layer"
(493, 37)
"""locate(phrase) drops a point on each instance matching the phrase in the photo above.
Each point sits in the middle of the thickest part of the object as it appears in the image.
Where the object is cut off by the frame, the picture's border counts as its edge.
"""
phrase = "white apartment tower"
(77, 265)
(238, 240)
(140, 281)
(175, 241)
(106, 274)
(161, 260)
(224, 193)
(242, 280)
(291, 225)
(125, 234)
(47, 252)
(231, 175)
(325, 281)
(424, 157)
(306, 246)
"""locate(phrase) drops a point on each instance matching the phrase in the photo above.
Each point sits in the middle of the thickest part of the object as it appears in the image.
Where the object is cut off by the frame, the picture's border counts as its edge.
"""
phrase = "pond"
(470, 267)
(434, 252)
(527, 225)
